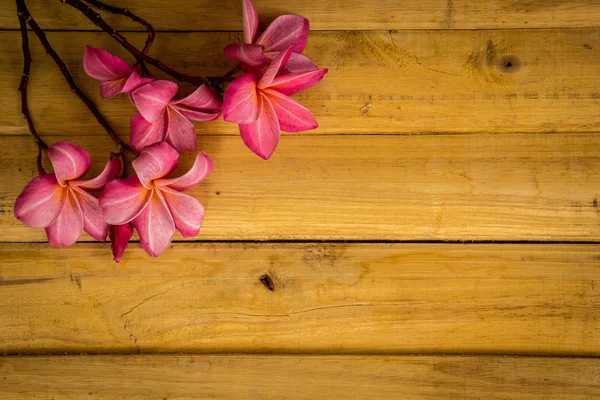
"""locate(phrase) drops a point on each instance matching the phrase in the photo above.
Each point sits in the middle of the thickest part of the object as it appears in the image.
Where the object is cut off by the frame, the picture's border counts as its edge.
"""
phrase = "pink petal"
(200, 170)
(250, 21)
(295, 82)
(67, 228)
(262, 136)
(119, 236)
(249, 54)
(285, 31)
(201, 105)
(292, 116)
(134, 81)
(297, 63)
(144, 133)
(110, 172)
(103, 66)
(181, 133)
(241, 103)
(155, 161)
(110, 89)
(274, 67)
(187, 212)
(123, 199)
(93, 222)
(40, 202)
(152, 98)
(69, 161)
(155, 225)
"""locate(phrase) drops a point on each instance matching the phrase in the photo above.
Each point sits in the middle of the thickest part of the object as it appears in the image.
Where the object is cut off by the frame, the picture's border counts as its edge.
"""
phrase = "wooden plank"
(327, 298)
(198, 15)
(298, 377)
(415, 81)
(465, 187)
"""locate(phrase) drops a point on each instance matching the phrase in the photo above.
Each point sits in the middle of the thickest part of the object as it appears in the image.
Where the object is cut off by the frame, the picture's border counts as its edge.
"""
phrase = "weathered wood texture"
(467, 187)
(414, 81)
(203, 15)
(327, 298)
(298, 377)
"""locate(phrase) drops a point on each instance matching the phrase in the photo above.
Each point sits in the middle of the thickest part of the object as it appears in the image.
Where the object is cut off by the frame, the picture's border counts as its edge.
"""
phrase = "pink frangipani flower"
(154, 205)
(59, 201)
(119, 236)
(258, 49)
(163, 118)
(262, 107)
(113, 74)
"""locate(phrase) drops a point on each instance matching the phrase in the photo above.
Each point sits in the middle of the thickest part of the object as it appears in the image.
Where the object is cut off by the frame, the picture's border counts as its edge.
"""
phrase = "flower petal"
(110, 172)
(181, 133)
(110, 89)
(241, 103)
(152, 98)
(93, 222)
(200, 170)
(155, 225)
(295, 82)
(134, 81)
(201, 105)
(40, 202)
(297, 63)
(284, 31)
(123, 199)
(292, 116)
(274, 67)
(69, 161)
(103, 66)
(262, 136)
(155, 161)
(144, 133)
(67, 228)
(249, 54)
(187, 212)
(250, 21)
(119, 236)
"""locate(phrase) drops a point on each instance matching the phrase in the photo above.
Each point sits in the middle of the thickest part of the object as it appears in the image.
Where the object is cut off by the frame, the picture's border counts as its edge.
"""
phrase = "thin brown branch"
(24, 12)
(97, 20)
(41, 145)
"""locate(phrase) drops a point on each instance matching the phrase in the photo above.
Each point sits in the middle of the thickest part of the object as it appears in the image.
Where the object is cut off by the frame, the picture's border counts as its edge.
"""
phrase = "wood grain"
(466, 187)
(414, 81)
(327, 298)
(205, 15)
(298, 377)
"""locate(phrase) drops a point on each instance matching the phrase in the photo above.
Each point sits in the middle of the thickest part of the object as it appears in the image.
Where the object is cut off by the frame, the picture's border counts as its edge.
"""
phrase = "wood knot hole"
(267, 282)
(508, 64)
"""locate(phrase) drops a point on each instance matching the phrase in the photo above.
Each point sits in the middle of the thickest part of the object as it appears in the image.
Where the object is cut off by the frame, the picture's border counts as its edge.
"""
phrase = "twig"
(23, 90)
(24, 12)
(124, 11)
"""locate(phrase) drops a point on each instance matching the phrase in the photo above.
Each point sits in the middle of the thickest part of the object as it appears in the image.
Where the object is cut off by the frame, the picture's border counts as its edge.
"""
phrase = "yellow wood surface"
(298, 377)
(414, 81)
(207, 15)
(467, 187)
(327, 298)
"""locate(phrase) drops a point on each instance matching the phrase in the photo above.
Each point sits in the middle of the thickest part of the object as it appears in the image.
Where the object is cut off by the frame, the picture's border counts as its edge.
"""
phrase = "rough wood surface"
(466, 187)
(298, 377)
(326, 298)
(379, 82)
(206, 15)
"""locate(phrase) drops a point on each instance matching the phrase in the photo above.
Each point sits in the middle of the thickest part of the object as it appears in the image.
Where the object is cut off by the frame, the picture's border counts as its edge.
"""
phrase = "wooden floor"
(441, 242)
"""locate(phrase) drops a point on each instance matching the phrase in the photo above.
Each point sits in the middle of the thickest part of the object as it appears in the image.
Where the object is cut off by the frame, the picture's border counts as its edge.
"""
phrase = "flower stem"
(41, 145)
(24, 13)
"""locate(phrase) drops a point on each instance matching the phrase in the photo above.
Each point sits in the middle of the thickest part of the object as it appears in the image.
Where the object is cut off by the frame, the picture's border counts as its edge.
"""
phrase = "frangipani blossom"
(162, 118)
(262, 107)
(59, 202)
(113, 74)
(258, 49)
(154, 205)
(119, 236)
